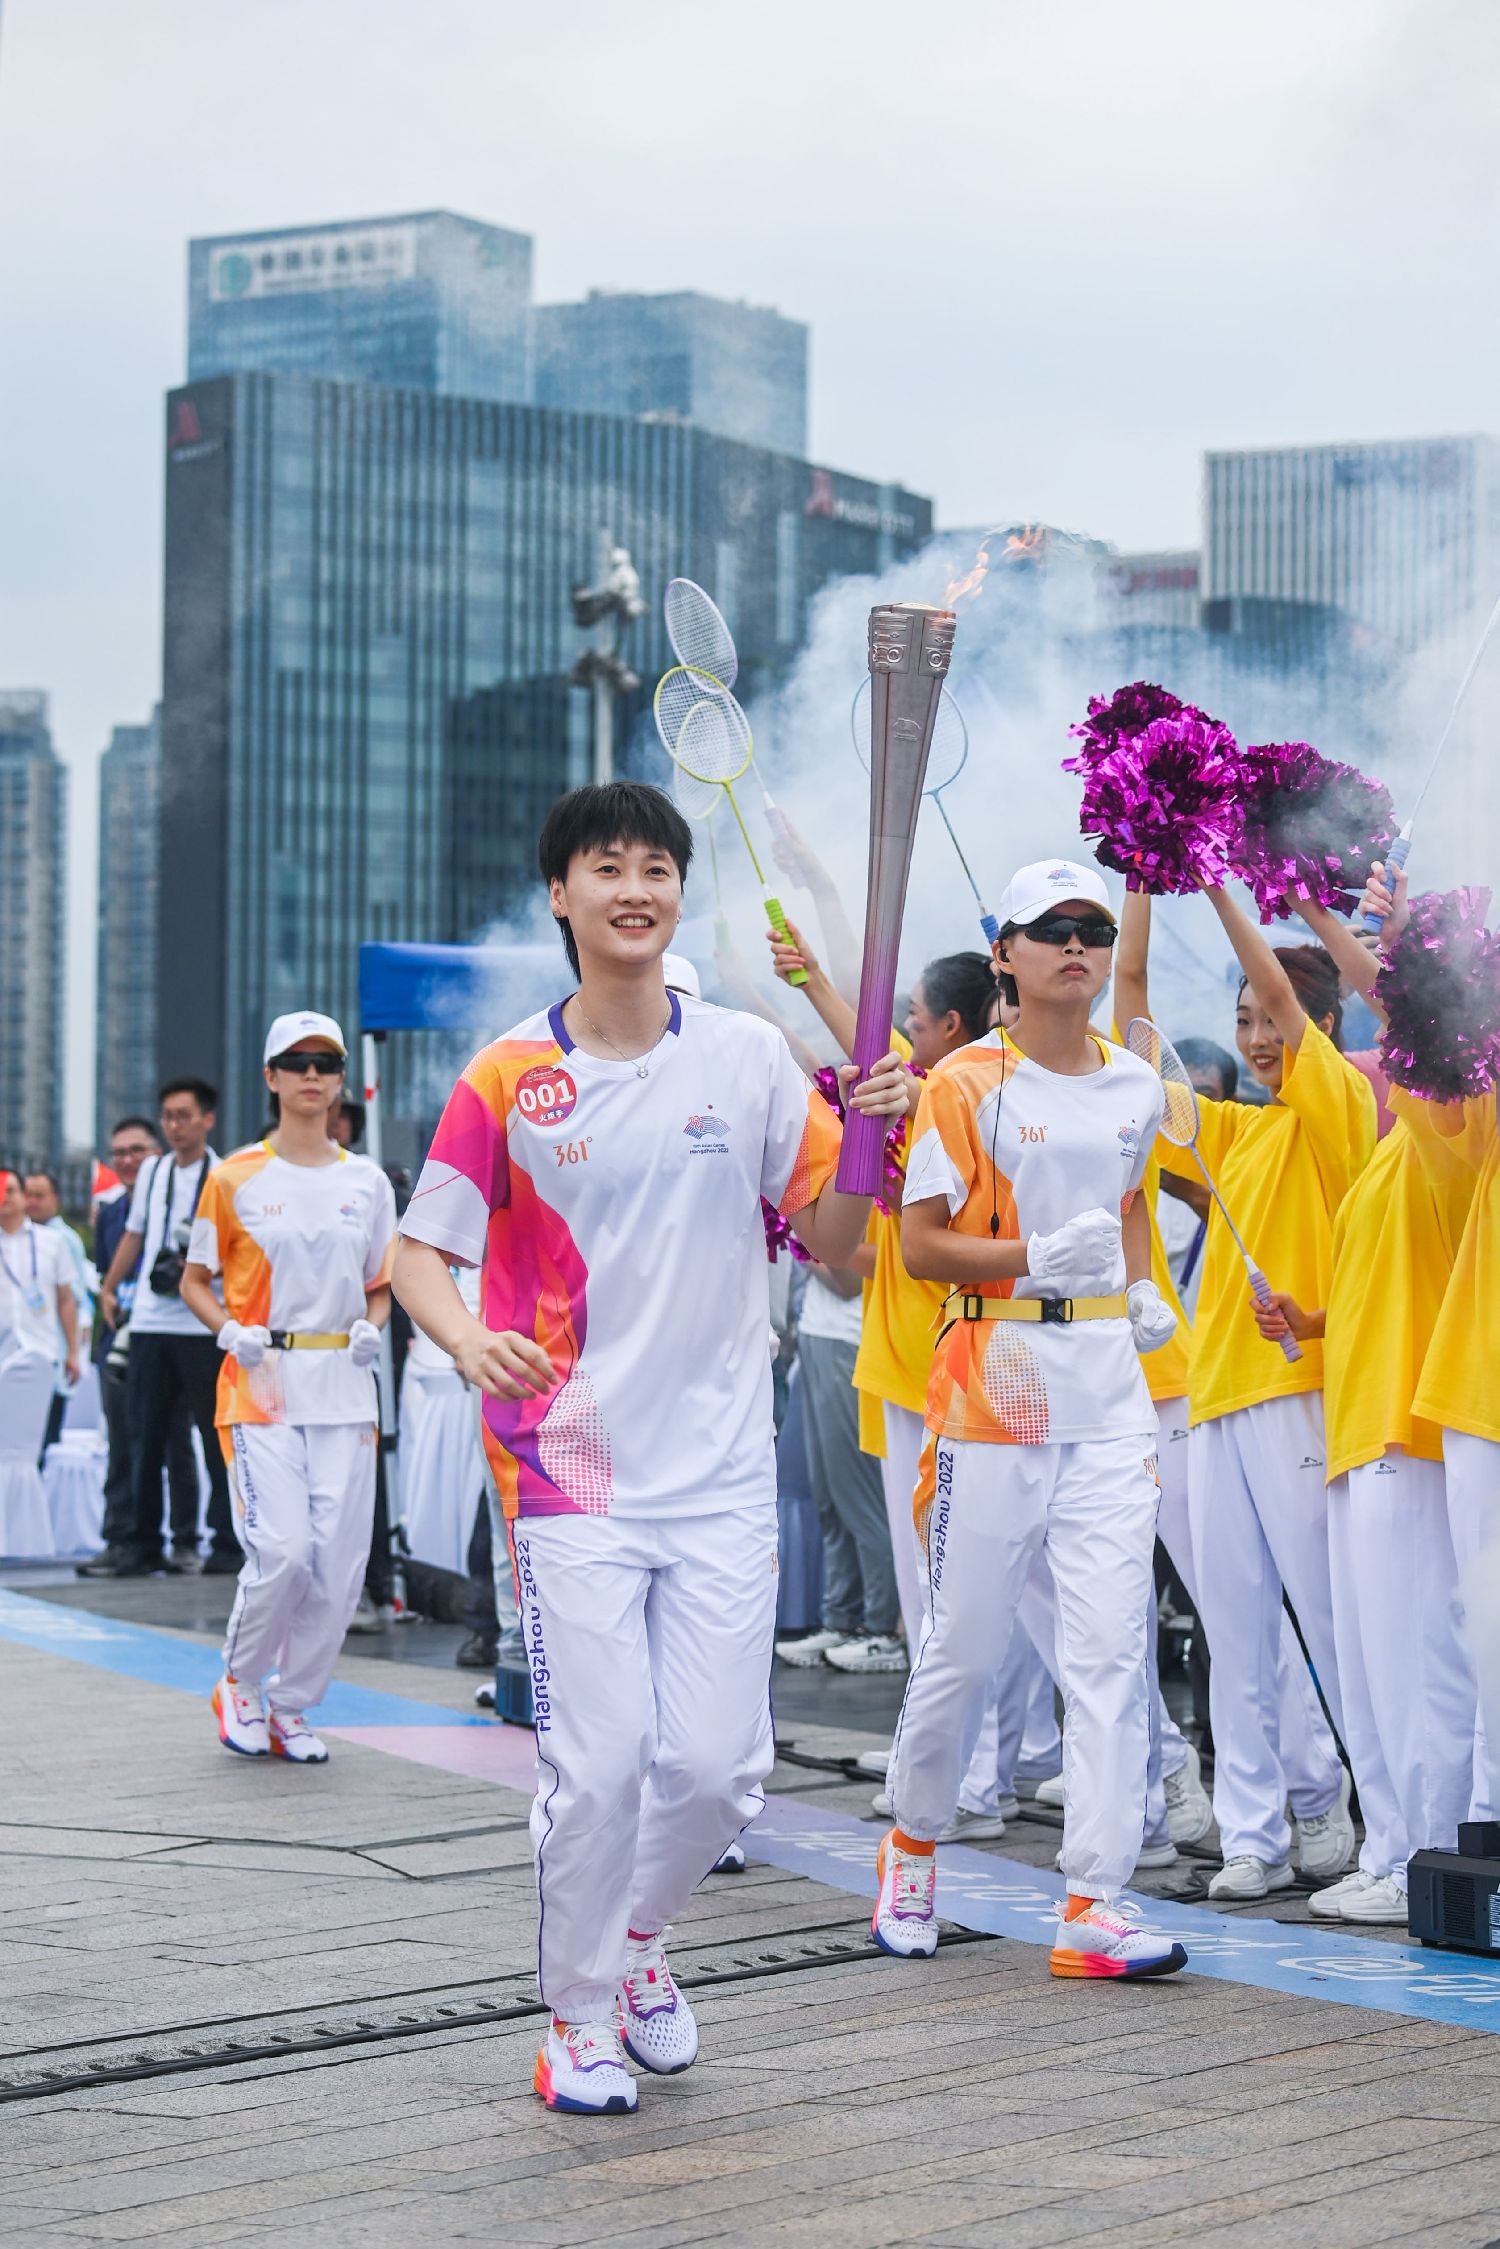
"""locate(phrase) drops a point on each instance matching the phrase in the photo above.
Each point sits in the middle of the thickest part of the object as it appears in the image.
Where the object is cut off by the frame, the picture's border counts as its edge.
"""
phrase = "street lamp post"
(605, 609)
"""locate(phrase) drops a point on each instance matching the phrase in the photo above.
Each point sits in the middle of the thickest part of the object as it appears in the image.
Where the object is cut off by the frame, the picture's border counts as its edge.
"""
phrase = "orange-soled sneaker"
(293, 1738)
(242, 1722)
(581, 2070)
(1108, 1940)
(904, 1922)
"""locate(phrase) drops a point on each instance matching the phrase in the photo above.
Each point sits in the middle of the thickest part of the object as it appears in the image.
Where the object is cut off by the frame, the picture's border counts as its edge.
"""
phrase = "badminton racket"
(701, 639)
(949, 755)
(1179, 1124)
(1396, 857)
(700, 800)
(705, 733)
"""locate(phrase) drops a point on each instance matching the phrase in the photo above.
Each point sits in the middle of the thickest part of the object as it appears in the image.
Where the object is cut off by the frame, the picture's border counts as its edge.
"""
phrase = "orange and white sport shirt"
(998, 1137)
(298, 1245)
(617, 1219)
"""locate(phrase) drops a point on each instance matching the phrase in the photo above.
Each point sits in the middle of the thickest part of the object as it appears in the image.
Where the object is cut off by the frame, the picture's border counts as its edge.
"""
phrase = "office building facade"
(33, 960)
(125, 1079)
(1403, 537)
(368, 640)
(736, 369)
(426, 300)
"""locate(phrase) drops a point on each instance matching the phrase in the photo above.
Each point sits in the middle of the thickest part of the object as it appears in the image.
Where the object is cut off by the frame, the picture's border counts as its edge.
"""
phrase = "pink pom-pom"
(1162, 803)
(1130, 710)
(1308, 826)
(1440, 993)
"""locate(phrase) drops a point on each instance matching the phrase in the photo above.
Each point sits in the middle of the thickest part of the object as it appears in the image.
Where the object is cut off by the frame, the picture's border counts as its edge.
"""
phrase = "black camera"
(167, 1269)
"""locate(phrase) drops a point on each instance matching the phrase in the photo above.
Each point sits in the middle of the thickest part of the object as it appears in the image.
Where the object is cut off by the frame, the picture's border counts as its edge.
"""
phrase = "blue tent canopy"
(452, 987)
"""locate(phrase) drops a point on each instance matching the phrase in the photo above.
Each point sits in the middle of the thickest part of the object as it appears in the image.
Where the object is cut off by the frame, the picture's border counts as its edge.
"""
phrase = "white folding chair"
(26, 1385)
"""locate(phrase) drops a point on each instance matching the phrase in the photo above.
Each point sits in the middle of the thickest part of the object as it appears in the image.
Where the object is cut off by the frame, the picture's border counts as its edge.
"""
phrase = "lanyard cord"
(5, 1261)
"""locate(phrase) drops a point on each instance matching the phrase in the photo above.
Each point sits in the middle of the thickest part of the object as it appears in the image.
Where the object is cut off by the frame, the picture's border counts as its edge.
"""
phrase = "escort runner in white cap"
(303, 1233)
(1028, 1151)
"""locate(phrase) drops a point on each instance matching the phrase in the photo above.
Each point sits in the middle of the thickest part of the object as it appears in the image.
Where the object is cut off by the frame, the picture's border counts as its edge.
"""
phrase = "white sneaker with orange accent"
(657, 2026)
(242, 1722)
(905, 1918)
(581, 2070)
(293, 1738)
(1109, 1940)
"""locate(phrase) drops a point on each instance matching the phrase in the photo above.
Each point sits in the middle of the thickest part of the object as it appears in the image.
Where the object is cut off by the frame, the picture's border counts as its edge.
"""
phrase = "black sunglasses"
(326, 1065)
(1055, 929)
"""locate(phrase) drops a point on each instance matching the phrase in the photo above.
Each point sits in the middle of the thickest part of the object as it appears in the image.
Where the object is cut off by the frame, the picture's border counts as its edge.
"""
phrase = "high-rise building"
(125, 1078)
(737, 369)
(33, 861)
(426, 301)
(368, 641)
(1403, 537)
(1155, 589)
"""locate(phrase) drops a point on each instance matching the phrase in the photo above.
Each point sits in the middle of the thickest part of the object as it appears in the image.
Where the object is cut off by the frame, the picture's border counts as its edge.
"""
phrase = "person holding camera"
(172, 1355)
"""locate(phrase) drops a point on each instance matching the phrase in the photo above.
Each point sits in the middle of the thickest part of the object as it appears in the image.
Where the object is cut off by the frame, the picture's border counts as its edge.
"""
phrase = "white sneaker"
(1109, 1940)
(1190, 1812)
(1382, 1900)
(242, 1722)
(972, 1827)
(1325, 1843)
(876, 1763)
(657, 2026)
(812, 1647)
(880, 1803)
(581, 2070)
(1324, 1905)
(905, 1918)
(730, 1861)
(1250, 1877)
(1154, 1855)
(1050, 1792)
(882, 1651)
(293, 1738)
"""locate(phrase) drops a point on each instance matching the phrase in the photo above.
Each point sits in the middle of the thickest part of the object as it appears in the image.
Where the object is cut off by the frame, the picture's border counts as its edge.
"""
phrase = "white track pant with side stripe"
(649, 1645)
(1090, 1507)
(303, 1502)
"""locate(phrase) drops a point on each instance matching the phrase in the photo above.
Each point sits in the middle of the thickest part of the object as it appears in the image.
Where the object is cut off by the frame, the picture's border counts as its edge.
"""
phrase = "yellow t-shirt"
(1394, 1238)
(1283, 1171)
(1458, 1389)
(900, 1320)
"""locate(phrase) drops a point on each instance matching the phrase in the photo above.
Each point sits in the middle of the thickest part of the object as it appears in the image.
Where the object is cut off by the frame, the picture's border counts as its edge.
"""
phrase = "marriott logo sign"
(864, 514)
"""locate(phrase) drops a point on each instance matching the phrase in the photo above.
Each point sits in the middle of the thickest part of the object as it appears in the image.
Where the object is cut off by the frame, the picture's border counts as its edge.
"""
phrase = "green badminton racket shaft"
(775, 914)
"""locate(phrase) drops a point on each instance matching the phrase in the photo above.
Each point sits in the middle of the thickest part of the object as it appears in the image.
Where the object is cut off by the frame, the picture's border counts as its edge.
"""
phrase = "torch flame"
(972, 582)
(1026, 545)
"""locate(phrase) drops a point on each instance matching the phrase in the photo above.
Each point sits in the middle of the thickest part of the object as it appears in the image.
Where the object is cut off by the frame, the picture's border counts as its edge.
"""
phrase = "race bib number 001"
(546, 1095)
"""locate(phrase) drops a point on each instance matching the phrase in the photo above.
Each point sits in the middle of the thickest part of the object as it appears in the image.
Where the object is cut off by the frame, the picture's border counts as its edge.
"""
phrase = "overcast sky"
(1049, 253)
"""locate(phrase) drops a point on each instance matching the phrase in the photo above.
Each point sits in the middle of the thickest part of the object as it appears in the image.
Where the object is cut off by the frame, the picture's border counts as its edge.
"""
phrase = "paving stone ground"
(152, 1883)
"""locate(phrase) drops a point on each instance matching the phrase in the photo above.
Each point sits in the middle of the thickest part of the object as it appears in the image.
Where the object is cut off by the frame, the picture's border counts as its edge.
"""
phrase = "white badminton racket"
(947, 759)
(701, 639)
(1179, 1124)
(705, 732)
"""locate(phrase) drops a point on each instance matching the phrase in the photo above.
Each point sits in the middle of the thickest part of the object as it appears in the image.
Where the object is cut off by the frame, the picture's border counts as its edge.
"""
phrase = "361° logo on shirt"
(545, 1094)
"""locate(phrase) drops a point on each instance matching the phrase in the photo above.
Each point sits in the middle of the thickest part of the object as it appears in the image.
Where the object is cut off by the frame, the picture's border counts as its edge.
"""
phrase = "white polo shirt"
(164, 1197)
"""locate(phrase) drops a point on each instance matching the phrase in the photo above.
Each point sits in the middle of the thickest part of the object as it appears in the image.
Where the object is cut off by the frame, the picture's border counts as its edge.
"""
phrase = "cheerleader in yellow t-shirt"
(1257, 1461)
(1405, 1686)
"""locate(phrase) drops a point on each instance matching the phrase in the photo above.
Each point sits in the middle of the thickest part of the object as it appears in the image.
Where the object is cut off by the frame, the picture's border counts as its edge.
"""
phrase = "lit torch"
(910, 649)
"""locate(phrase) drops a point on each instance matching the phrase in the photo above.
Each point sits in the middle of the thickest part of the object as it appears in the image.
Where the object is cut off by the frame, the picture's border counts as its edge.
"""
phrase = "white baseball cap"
(288, 1030)
(1033, 891)
(681, 975)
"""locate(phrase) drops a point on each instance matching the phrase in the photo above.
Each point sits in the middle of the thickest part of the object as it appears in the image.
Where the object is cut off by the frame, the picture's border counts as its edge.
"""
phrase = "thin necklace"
(640, 1063)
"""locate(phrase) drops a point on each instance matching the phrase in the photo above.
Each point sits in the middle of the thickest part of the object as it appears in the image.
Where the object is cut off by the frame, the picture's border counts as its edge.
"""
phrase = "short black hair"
(138, 1124)
(206, 1095)
(600, 814)
(1204, 1054)
(40, 1171)
(355, 1112)
(962, 984)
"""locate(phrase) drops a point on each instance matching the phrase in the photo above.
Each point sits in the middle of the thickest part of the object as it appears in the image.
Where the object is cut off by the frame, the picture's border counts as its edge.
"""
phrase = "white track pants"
(650, 1652)
(1168, 1744)
(904, 1435)
(1474, 1519)
(1407, 1694)
(1091, 1509)
(303, 1501)
(1258, 1505)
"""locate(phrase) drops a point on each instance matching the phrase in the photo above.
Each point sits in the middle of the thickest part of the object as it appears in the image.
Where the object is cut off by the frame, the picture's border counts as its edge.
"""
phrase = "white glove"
(1152, 1320)
(364, 1343)
(1081, 1258)
(246, 1346)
